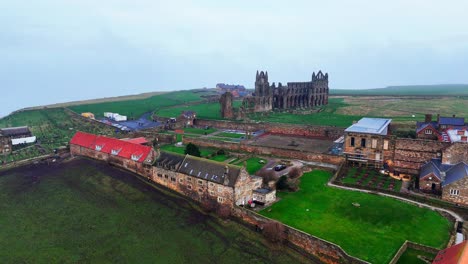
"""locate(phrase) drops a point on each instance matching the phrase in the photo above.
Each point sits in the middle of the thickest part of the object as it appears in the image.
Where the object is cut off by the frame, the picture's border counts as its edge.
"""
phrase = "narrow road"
(455, 215)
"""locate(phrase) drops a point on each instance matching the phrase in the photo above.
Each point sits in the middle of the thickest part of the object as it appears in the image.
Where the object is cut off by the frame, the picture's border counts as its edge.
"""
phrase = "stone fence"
(408, 244)
(328, 132)
(320, 249)
(259, 150)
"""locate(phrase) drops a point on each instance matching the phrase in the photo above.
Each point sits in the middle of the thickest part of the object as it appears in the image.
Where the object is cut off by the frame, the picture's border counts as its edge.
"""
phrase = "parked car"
(280, 167)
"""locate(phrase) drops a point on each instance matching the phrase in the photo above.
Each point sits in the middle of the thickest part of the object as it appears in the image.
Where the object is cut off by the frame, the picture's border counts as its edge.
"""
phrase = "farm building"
(128, 155)
(445, 129)
(18, 135)
(115, 116)
(204, 180)
(264, 196)
(88, 115)
(5, 144)
(367, 142)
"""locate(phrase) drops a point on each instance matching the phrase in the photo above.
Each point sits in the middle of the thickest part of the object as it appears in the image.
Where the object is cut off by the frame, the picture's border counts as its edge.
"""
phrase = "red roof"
(138, 140)
(453, 255)
(113, 146)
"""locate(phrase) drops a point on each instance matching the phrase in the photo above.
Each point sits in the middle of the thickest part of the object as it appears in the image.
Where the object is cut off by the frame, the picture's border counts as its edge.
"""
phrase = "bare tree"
(274, 231)
(295, 172)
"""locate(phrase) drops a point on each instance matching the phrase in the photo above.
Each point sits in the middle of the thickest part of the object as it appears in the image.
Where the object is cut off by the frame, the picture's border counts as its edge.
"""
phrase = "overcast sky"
(56, 51)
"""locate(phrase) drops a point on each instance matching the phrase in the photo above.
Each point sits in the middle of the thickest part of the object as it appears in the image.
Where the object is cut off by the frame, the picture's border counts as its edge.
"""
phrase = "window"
(200, 182)
(212, 193)
(220, 189)
(159, 175)
(165, 176)
(181, 180)
(173, 179)
(189, 187)
(351, 143)
(385, 144)
(428, 132)
(374, 143)
(454, 192)
(98, 148)
(189, 179)
(363, 142)
(211, 184)
(220, 199)
(200, 190)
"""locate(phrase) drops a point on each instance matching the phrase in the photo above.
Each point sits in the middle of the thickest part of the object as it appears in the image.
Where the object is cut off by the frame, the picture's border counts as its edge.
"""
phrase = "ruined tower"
(263, 93)
(226, 105)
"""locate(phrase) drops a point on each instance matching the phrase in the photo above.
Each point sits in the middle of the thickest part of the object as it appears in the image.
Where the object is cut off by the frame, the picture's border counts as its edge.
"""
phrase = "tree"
(274, 231)
(282, 183)
(192, 149)
(295, 172)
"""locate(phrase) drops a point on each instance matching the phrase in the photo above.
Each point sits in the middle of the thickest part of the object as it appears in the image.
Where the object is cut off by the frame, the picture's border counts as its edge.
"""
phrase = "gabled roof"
(169, 160)
(14, 131)
(422, 125)
(111, 146)
(453, 255)
(214, 171)
(456, 173)
(429, 168)
(452, 121)
(378, 126)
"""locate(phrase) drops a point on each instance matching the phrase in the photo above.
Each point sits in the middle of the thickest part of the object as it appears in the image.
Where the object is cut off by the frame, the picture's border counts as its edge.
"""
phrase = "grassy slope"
(327, 117)
(373, 232)
(135, 108)
(431, 90)
(204, 111)
(82, 214)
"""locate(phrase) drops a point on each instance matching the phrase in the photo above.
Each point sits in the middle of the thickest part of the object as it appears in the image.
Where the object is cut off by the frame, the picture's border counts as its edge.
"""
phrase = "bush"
(295, 172)
(274, 231)
(192, 149)
(282, 183)
(221, 152)
(267, 175)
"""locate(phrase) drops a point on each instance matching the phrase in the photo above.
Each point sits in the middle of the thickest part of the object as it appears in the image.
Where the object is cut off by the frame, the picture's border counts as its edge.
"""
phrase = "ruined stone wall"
(276, 128)
(323, 250)
(455, 153)
(411, 154)
(461, 186)
(287, 153)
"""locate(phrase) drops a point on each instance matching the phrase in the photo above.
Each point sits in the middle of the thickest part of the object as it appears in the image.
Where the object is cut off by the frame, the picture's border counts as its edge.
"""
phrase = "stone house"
(367, 142)
(438, 129)
(5, 144)
(205, 180)
(264, 196)
(18, 135)
(133, 157)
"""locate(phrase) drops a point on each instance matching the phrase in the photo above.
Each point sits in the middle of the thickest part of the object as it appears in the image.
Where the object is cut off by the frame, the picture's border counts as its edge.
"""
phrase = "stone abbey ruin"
(266, 97)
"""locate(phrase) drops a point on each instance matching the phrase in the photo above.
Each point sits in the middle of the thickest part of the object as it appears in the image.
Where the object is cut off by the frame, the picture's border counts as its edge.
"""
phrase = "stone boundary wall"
(408, 244)
(287, 153)
(323, 250)
(328, 132)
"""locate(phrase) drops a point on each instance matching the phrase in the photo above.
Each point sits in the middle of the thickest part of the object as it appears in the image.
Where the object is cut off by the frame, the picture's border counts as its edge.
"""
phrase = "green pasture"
(199, 131)
(204, 111)
(409, 90)
(135, 108)
(253, 164)
(181, 150)
(230, 135)
(373, 231)
(88, 212)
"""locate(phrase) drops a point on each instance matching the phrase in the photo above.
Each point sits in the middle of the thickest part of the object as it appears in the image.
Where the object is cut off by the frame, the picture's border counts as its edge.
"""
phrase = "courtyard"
(314, 145)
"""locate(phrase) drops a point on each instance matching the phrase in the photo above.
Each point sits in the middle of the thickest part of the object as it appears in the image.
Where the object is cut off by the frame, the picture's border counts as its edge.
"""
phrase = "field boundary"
(408, 244)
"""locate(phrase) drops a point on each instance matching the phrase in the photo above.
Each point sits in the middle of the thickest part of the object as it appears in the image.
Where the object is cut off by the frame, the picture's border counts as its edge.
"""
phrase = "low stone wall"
(328, 132)
(408, 244)
(323, 250)
(287, 153)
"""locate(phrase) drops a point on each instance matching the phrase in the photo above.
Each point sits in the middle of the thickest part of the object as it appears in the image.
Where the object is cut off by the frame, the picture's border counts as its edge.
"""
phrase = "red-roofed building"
(138, 140)
(118, 152)
(457, 254)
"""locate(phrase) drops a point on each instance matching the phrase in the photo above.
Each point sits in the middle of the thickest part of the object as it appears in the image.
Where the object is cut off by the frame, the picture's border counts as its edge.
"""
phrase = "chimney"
(438, 118)
(428, 118)
(453, 115)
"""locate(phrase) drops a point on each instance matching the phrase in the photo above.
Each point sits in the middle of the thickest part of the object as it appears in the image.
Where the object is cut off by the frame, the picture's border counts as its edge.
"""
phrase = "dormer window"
(428, 132)
(115, 151)
(99, 147)
(136, 157)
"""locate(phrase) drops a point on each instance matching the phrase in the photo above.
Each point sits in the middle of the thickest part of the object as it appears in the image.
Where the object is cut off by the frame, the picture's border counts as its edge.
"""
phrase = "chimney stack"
(428, 118)
(438, 118)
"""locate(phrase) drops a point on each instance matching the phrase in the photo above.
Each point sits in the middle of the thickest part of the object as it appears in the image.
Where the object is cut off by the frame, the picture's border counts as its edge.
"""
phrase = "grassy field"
(199, 131)
(409, 90)
(230, 135)
(253, 165)
(135, 108)
(204, 111)
(89, 212)
(374, 231)
(220, 158)
(181, 150)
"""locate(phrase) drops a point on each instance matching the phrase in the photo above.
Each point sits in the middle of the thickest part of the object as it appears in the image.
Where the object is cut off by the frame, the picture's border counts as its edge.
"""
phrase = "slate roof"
(210, 170)
(422, 125)
(111, 146)
(169, 160)
(262, 190)
(453, 173)
(456, 173)
(452, 121)
(378, 126)
(16, 131)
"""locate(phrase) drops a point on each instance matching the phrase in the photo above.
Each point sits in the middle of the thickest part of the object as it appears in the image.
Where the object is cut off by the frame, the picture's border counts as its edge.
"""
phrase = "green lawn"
(373, 232)
(88, 212)
(253, 165)
(220, 158)
(405, 90)
(230, 135)
(204, 111)
(181, 150)
(135, 108)
(199, 131)
(410, 256)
